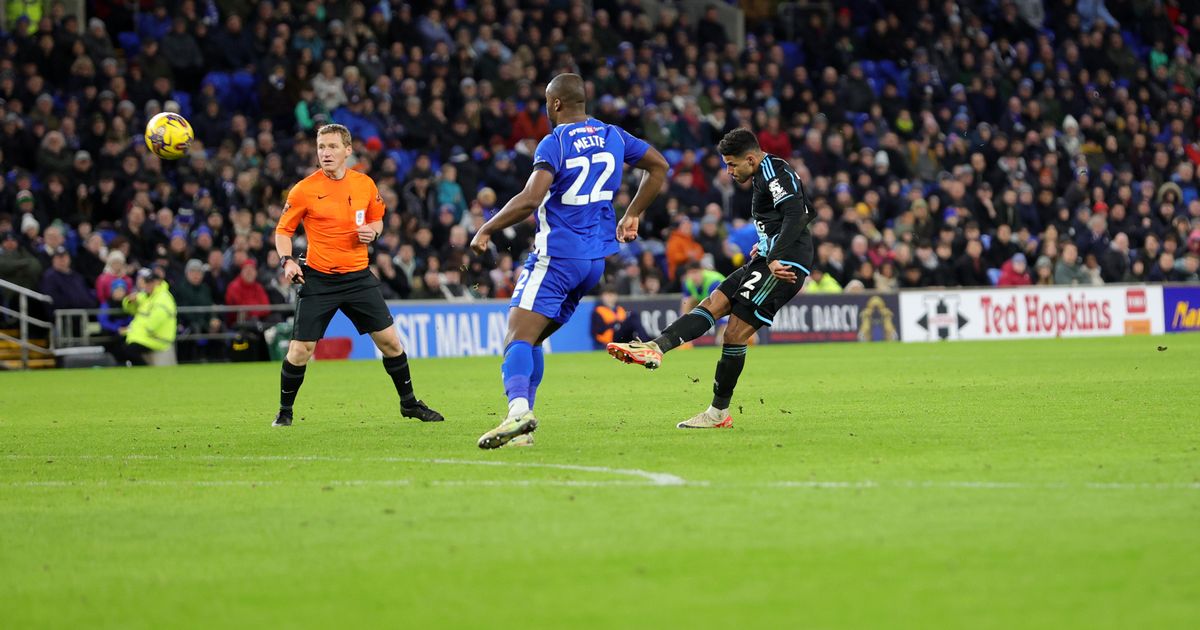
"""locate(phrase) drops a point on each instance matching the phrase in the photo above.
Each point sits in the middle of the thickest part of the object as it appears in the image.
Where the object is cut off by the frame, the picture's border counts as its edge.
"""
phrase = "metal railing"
(24, 319)
(69, 320)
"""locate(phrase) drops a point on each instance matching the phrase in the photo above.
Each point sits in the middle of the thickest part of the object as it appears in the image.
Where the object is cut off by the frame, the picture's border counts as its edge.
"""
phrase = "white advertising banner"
(1030, 312)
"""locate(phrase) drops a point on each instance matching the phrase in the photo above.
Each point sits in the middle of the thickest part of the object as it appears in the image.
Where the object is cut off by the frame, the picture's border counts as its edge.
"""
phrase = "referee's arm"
(373, 228)
(293, 212)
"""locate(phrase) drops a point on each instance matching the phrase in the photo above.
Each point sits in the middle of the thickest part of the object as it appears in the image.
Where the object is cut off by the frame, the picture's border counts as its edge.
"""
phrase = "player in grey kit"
(754, 293)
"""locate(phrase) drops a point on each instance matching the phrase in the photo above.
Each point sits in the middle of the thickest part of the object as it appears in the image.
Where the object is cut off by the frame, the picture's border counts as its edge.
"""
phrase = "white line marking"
(649, 477)
(641, 477)
(206, 483)
(569, 483)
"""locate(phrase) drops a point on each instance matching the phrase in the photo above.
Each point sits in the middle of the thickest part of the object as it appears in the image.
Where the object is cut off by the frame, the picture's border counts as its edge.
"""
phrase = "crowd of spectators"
(962, 142)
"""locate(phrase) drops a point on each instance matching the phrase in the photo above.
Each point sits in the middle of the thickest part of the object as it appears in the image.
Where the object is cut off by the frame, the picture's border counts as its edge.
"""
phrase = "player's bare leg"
(526, 329)
(688, 327)
(395, 362)
(733, 357)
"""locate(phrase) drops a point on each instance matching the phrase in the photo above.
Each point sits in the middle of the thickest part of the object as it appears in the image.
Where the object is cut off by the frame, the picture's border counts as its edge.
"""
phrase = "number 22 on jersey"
(571, 196)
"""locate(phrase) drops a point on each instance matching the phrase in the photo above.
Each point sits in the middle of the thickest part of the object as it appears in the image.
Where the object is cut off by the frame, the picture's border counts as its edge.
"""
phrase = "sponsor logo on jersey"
(777, 191)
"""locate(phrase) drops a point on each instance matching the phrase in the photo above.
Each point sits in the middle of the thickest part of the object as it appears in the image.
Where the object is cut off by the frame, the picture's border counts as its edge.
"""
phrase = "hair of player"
(568, 88)
(738, 142)
(341, 130)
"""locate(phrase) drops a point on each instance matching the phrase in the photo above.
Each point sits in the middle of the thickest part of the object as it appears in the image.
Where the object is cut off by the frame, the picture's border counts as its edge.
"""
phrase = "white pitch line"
(643, 478)
(206, 483)
(803, 485)
(650, 477)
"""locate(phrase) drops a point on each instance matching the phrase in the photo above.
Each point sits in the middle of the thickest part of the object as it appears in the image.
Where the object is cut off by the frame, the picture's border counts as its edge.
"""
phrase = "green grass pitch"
(1040, 484)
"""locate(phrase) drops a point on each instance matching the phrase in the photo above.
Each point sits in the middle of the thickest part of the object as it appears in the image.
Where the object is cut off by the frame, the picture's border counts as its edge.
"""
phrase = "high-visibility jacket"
(154, 321)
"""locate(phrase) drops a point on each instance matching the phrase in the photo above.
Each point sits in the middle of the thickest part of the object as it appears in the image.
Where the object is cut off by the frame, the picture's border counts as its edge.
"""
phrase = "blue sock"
(516, 369)
(535, 379)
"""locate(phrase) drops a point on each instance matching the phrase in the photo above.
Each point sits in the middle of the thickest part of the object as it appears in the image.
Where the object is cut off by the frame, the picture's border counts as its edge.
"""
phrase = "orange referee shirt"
(332, 211)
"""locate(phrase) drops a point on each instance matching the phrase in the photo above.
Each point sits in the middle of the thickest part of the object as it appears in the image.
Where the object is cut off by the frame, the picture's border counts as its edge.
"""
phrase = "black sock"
(290, 380)
(729, 368)
(397, 368)
(685, 329)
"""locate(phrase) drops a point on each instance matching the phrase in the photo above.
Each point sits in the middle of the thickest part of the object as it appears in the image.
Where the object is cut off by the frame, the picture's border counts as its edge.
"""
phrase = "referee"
(342, 212)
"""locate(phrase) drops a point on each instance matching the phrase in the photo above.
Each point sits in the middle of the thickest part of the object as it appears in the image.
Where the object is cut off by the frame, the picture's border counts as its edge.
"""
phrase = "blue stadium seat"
(986, 239)
(130, 43)
(994, 276)
(793, 55)
(72, 240)
(185, 102)
(221, 86)
(889, 67)
(244, 89)
(673, 156)
(404, 163)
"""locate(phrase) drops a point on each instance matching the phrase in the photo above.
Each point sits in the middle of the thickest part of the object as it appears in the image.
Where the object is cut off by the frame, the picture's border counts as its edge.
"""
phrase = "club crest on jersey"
(777, 191)
(360, 217)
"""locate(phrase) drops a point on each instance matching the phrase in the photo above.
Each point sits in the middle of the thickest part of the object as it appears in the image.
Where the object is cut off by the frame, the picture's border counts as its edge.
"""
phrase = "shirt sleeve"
(787, 195)
(782, 185)
(375, 207)
(635, 147)
(548, 155)
(294, 210)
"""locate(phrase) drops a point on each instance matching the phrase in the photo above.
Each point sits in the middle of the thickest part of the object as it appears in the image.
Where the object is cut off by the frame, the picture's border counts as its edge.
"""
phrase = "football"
(169, 135)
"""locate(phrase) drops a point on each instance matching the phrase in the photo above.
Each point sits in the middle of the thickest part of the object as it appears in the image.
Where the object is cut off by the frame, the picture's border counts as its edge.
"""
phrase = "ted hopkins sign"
(1030, 313)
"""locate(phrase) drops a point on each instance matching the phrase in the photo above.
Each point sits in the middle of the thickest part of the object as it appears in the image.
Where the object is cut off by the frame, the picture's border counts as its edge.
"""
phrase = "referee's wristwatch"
(283, 261)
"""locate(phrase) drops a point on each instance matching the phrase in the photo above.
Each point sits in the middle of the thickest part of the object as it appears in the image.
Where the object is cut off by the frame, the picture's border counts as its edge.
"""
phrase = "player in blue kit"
(577, 170)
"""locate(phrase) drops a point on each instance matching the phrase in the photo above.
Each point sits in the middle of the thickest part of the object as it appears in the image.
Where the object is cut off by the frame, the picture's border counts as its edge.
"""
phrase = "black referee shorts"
(756, 294)
(322, 294)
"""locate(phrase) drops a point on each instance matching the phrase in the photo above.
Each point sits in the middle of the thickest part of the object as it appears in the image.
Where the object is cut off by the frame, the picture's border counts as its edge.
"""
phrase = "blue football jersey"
(576, 219)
